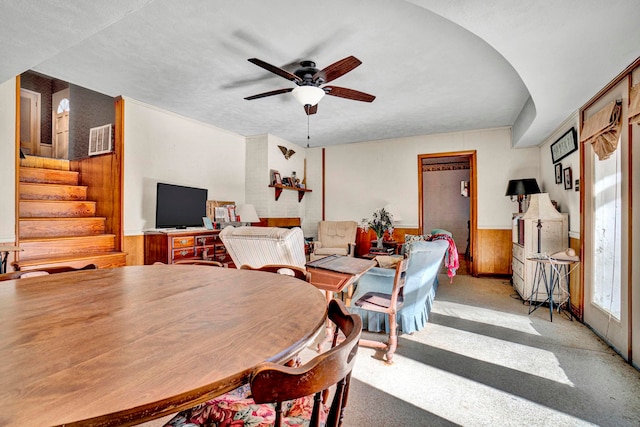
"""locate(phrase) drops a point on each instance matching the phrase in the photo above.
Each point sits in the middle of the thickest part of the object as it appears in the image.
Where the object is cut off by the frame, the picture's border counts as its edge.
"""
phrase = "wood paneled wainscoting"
(134, 247)
(575, 284)
(493, 252)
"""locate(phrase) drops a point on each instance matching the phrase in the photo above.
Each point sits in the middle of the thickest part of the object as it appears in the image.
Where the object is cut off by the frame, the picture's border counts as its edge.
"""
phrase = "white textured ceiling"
(434, 65)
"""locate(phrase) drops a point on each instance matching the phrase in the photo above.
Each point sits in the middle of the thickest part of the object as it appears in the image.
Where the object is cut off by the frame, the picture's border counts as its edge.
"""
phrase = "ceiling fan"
(309, 80)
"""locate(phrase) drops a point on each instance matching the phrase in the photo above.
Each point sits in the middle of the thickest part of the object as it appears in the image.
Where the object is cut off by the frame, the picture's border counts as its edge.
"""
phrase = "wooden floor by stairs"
(57, 224)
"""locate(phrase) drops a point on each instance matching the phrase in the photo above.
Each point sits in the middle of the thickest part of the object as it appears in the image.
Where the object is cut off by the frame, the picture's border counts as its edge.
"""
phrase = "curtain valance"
(634, 104)
(602, 130)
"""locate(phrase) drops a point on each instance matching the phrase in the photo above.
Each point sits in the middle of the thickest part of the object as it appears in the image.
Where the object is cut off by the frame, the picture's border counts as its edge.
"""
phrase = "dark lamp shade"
(521, 187)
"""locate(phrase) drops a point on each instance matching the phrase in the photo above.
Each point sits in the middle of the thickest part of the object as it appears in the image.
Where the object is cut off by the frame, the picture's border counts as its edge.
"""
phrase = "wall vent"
(100, 140)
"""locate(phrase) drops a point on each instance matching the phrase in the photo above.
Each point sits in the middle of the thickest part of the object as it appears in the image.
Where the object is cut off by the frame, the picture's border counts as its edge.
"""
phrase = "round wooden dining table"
(124, 345)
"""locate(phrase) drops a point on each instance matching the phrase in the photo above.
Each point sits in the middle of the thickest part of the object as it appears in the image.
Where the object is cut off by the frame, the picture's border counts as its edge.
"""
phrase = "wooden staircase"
(57, 224)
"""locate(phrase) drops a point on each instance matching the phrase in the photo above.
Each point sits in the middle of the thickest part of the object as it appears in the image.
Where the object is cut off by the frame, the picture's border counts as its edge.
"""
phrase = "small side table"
(551, 272)
(389, 244)
(4, 254)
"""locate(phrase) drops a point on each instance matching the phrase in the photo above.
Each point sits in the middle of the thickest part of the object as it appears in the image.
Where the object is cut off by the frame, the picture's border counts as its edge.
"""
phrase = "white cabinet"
(554, 237)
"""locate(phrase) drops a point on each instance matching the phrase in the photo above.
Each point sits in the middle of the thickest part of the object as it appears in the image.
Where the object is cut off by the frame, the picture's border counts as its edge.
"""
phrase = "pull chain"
(307, 107)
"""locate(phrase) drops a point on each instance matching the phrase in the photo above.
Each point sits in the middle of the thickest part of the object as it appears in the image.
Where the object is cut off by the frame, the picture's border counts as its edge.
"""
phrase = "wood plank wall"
(103, 175)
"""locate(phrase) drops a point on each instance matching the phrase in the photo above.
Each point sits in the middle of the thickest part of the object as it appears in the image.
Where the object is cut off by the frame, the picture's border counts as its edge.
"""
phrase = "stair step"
(66, 246)
(50, 176)
(106, 260)
(42, 191)
(56, 208)
(33, 228)
(44, 162)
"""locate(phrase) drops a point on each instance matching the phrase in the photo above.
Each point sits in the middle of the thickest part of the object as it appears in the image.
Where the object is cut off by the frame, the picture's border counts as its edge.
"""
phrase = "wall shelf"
(279, 187)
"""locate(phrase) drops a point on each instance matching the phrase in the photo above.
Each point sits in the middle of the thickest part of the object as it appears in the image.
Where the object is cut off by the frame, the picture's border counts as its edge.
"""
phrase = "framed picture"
(208, 224)
(558, 173)
(567, 179)
(286, 181)
(276, 178)
(564, 146)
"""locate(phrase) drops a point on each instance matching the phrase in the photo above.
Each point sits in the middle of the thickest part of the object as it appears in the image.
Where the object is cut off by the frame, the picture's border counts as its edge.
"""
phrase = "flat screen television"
(178, 206)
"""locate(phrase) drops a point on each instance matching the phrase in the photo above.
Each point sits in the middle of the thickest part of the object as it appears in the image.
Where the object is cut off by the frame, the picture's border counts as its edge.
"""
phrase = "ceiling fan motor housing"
(306, 73)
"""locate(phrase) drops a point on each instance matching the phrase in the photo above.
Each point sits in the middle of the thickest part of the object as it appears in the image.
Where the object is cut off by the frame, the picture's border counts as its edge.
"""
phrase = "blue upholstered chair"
(424, 262)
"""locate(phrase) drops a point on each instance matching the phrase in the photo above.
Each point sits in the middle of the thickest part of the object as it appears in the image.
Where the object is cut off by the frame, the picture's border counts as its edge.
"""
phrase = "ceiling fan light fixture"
(308, 95)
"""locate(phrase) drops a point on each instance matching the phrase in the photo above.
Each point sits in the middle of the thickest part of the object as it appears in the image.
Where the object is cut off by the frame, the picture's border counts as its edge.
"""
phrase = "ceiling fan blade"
(311, 109)
(338, 69)
(344, 92)
(271, 93)
(276, 70)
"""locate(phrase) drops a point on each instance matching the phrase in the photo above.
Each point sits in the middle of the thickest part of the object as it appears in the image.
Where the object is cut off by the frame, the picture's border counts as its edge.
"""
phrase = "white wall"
(450, 211)
(8, 161)
(313, 200)
(568, 200)
(264, 155)
(365, 176)
(163, 146)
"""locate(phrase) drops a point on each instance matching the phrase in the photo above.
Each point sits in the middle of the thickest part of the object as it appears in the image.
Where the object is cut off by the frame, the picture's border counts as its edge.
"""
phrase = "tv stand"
(169, 246)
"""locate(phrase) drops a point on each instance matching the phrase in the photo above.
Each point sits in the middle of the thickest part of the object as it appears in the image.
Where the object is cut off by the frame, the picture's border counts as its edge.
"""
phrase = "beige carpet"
(483, 361)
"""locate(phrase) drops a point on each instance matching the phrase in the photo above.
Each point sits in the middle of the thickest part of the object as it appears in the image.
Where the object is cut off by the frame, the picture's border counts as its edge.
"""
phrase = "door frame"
(620, 335)
(469, 155)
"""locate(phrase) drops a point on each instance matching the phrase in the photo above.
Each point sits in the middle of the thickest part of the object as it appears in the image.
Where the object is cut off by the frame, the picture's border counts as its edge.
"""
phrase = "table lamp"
(247, 214)
(521, 189)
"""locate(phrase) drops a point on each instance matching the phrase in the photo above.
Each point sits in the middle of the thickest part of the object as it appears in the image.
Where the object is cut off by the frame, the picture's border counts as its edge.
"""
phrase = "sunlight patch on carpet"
(524, 358)
(516, 322)
(458, 399)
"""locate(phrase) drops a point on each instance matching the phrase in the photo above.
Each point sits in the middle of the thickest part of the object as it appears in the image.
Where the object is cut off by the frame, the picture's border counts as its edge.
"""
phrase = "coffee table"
(335, 272)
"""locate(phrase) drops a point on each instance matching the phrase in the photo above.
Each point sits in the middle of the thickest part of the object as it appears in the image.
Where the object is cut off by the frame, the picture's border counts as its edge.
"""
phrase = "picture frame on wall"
(565, 145)
(567, 179)
(558, 173)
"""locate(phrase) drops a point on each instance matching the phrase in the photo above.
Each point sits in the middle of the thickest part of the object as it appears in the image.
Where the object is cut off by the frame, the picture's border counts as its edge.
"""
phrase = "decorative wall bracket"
(279, 187)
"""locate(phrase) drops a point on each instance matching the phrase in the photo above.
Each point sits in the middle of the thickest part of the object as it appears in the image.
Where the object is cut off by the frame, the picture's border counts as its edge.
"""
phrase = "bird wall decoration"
(286, 152)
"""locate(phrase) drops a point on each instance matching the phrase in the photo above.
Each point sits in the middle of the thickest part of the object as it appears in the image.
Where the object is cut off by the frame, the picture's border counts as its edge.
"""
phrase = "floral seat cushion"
(237, 409)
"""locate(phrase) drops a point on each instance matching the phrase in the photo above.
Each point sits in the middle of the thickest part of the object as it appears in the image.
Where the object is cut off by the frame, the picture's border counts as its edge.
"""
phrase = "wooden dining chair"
(282, 395)
(289, 270)
(23, 274)
(388, 304)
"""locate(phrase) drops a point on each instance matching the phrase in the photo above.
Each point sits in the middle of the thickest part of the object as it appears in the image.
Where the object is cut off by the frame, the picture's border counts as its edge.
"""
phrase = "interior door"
(29, 122)
(60, 123)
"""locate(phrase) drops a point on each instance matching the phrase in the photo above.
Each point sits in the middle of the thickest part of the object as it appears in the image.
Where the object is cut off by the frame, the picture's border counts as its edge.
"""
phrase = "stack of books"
(383, 251)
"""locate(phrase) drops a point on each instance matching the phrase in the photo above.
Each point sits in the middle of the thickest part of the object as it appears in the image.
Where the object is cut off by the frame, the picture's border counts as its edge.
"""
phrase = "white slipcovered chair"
(256, 247)
(335, 238)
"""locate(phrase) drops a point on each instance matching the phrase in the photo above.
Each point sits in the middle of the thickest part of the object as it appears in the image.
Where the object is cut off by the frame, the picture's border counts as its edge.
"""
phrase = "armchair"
(335, 238)
(423, 265)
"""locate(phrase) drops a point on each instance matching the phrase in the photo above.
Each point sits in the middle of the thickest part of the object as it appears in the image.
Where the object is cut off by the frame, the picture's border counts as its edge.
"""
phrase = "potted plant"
(380, 221)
